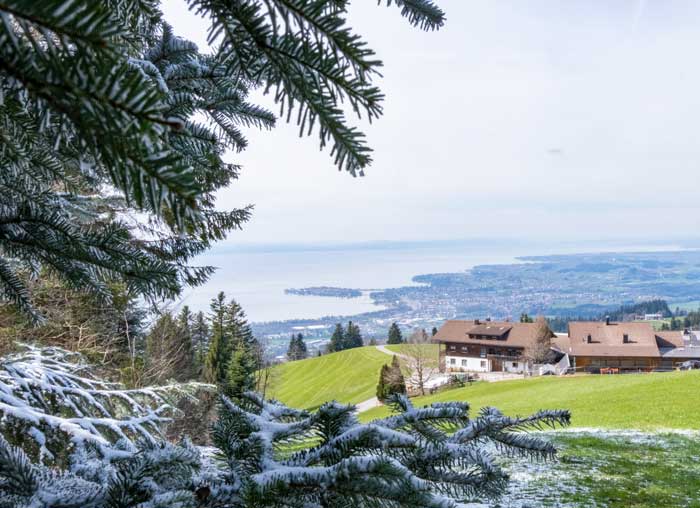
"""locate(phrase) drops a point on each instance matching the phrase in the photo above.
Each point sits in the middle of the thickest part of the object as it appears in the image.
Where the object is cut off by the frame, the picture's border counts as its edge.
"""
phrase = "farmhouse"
(633, 346)
(487, 346)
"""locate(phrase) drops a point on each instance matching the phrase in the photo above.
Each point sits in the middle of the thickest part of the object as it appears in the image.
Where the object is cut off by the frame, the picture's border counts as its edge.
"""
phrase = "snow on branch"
(268, 455)
(51, 395)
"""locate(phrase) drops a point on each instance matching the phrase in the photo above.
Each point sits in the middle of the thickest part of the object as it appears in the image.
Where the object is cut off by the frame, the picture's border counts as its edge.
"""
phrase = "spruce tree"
(352, 337)
(185, 322)
(397, 383)
(200, 339)
(292, 349)
(524, 318)
(105, 110)
(240, 372)
(391, 380)
(302, 350)
(434, 331)
(219, 346)
(236, 326)
(394, 336)
(382, 386)
(337, 342)
(297, 348)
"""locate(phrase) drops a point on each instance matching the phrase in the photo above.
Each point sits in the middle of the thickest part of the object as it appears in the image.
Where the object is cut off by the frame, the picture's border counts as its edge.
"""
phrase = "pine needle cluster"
(105, 111)
(270, 455)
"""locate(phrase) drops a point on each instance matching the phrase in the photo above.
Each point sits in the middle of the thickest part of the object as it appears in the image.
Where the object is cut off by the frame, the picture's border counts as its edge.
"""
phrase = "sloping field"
(348, 376)
(430, 349)
(630, 401)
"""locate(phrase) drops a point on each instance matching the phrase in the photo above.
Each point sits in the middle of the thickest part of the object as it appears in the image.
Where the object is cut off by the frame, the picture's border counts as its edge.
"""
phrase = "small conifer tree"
(394, 336)
(353, 336)
(391, 380)
(337, 342)
(239, 372)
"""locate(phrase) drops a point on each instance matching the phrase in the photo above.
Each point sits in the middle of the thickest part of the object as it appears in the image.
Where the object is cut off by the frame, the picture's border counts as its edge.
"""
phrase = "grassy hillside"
(349, 376)
(630, 401)
(432, 349)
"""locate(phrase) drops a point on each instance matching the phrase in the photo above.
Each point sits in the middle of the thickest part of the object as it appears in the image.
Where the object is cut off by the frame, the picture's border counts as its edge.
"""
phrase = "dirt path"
(368, 404)
(387, 351)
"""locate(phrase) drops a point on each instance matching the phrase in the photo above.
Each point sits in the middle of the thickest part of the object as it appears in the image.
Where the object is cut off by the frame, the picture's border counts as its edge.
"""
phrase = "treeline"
(217, 347)
(297, 349)
(680, 319)
(345, 338)
(657, 306)
(141, 345)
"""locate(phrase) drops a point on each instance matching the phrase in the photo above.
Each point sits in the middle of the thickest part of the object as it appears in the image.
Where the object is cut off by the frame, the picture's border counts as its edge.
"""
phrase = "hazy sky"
(553, 119)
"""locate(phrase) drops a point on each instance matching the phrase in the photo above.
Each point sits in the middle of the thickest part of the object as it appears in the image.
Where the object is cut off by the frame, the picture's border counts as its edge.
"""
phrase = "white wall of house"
(472, 364)
(514, 366)
(458, 363)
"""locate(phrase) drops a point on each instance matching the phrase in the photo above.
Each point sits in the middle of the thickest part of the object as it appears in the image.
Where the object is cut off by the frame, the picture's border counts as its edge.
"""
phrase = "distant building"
(485, 346)
(595, 345)
(653, 317)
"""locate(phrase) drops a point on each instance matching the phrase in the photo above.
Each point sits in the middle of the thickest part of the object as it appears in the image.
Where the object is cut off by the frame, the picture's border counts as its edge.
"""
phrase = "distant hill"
(641, 308)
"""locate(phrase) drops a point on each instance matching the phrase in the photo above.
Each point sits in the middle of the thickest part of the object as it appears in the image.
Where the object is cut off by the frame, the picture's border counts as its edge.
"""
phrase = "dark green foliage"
(231, 359)
(347, 338)
(391, 380)
(105, 110)
(382, 389)
(200, 339)
(219, 347)
(239, 372)
(622, 313)
(394, 336)
(337, 342)
(434, 331)
(353, 337)
(524, 318)
(649, 307)
(297, 348)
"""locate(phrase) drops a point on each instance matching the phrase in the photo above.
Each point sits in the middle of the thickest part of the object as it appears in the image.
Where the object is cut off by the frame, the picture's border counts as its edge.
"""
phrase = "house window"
(483, 364)
(453, 348)
(483, 352)
(453, 361)
(625, 338)
(464, 363)
(515, 365)
(464, 348)
(492, 351)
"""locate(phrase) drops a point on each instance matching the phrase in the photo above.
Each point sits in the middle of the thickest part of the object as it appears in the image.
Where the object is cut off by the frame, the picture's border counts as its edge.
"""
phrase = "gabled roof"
(608, 339)
(677, 345)
(500, 333)
(490, 329)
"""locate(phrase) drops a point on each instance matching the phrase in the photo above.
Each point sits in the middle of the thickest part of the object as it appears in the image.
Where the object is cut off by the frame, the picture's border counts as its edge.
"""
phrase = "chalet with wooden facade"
(605, 346)
(486, 346)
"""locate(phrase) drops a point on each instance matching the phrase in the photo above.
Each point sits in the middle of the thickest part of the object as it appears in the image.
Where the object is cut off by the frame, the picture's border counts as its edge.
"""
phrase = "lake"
(256, 276)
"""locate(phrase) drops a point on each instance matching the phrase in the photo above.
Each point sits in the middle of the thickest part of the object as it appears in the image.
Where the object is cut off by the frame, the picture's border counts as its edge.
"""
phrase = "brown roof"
(609, 339)
(503, 333)
(669, 339)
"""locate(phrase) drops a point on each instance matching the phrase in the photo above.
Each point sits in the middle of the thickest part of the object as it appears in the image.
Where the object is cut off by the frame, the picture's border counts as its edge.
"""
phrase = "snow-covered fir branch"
(265, 453)
(51, 396)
